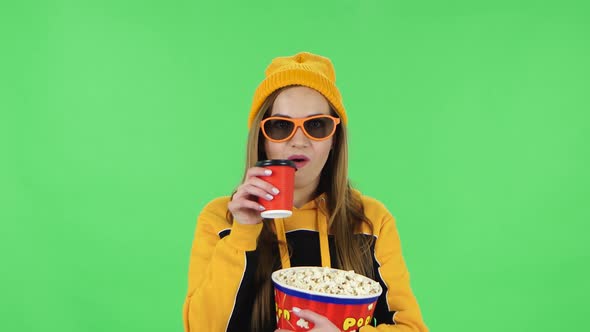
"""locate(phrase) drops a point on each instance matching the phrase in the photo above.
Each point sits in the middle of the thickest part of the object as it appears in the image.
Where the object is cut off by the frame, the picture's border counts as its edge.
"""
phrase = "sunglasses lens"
(319, 127)
(278, 129)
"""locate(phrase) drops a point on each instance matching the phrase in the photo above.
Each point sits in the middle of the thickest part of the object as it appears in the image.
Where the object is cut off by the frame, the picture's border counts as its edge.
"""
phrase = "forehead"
(300, 102)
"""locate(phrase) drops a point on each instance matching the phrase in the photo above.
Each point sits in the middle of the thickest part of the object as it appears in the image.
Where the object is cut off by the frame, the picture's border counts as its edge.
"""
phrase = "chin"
(302, 179)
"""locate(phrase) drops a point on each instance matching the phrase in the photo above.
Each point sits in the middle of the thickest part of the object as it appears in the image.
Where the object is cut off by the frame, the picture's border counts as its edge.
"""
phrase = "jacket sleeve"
(216, 268)
(400, 299)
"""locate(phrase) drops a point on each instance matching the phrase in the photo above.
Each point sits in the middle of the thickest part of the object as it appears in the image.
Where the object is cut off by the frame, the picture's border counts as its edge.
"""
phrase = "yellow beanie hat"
(307, 69)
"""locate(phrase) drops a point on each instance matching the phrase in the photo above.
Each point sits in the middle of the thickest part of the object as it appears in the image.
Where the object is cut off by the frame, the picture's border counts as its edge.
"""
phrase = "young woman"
(297, 113)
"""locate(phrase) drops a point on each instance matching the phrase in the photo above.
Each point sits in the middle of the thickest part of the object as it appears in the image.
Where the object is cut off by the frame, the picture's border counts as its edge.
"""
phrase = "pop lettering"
(351, 322)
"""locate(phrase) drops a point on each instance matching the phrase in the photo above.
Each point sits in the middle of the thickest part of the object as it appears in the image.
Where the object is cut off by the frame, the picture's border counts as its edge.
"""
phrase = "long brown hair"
(345, 217)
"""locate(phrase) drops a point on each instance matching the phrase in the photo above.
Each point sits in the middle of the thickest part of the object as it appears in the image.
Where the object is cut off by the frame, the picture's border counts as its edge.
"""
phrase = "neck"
(304, 194)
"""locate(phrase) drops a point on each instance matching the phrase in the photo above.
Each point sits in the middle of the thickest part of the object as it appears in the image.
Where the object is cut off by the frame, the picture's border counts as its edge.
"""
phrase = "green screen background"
(121, 119)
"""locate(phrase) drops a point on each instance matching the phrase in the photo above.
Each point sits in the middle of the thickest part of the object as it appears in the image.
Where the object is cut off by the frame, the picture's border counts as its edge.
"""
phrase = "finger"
(258, 192)
(261, 183)
(245, 204)
(309, 315)
(258, 171)
(240, 193)
(247, 191)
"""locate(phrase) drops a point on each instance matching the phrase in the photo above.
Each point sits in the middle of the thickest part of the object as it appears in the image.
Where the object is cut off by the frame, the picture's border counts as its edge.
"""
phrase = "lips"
(299, 160)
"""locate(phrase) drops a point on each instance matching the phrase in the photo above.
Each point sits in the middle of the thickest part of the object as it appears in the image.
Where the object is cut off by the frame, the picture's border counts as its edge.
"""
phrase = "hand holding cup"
(244, 205)
(267, 192)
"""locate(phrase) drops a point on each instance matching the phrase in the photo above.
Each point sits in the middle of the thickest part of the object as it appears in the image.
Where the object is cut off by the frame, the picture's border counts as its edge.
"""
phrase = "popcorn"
(329, 281)
(303, 323)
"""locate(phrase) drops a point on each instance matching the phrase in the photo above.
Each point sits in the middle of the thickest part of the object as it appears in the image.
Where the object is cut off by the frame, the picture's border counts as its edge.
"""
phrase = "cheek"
(271, 149)
(323, 149)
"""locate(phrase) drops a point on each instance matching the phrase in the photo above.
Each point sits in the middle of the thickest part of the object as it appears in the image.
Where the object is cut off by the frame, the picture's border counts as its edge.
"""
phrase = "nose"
(299, 139)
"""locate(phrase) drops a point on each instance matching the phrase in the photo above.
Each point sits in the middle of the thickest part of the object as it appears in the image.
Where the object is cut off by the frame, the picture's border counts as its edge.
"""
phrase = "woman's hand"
(321, 323)
(244, 203)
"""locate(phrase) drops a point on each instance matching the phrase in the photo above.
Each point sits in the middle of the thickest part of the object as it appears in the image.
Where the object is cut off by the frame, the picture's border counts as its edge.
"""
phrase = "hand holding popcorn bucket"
(347, 299)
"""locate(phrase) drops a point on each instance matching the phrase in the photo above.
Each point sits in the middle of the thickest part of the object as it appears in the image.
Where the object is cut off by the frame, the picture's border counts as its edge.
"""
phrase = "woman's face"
(301, 102)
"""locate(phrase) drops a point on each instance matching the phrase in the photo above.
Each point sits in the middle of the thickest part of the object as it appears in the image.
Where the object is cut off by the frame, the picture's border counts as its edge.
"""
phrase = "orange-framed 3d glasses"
(317, 127)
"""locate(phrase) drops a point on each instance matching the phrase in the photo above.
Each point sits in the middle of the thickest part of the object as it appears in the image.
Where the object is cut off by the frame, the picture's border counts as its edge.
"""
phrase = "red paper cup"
(283, 178)
(347, 312)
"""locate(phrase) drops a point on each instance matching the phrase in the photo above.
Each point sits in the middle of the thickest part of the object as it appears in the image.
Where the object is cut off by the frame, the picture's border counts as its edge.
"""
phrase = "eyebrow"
(287, 116)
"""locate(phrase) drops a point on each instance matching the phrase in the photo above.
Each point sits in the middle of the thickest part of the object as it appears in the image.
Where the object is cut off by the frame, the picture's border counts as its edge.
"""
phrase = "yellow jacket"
(219, 294)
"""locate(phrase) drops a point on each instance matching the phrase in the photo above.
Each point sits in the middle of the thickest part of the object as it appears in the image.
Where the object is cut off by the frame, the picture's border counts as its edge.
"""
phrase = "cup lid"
(276, 162)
